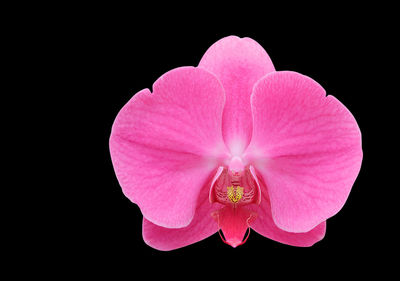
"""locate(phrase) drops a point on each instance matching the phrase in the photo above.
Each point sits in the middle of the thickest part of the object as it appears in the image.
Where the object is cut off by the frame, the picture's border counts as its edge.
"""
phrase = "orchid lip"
(235, 187)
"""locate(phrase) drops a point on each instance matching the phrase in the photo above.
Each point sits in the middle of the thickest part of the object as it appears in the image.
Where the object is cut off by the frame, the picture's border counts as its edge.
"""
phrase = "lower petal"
(264, 225)
(201, 227)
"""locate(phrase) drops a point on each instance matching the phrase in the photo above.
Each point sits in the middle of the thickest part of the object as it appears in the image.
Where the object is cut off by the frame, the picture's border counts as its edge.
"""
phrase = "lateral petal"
(307, 148)
(165, 144)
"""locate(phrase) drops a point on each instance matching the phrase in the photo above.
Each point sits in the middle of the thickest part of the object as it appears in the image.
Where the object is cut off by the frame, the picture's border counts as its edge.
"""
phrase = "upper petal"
(238, 63)
(165, 144)
(307, 148)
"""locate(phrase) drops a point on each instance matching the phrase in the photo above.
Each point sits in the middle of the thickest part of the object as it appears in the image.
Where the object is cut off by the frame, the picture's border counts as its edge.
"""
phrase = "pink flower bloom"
(233, 144)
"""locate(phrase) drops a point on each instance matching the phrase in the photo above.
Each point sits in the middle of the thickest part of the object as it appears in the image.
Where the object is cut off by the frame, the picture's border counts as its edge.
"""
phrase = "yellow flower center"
(234, 193)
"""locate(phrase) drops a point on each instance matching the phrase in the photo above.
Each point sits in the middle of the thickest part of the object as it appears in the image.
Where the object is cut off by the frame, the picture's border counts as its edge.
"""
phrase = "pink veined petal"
(201, 227)
(264, 225)
(165, 144)
(307, 148)
(238, 63)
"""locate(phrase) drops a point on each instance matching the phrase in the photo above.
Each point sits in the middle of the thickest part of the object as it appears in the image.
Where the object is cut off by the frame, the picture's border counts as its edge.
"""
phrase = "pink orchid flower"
(231, 145)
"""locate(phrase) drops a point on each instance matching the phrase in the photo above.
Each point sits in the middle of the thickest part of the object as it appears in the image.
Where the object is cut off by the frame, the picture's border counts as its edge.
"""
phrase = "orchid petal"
(264, 225)
(307, 148)
(165, 144)
(238, 63)
(201, 227)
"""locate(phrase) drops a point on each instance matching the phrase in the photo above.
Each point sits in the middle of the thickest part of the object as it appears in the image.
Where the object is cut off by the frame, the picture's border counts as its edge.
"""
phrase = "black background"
(111, 55)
